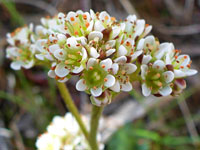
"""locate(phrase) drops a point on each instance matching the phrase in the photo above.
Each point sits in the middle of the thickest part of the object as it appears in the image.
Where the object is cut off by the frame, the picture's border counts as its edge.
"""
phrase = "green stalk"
(72, 108)
(94, 122)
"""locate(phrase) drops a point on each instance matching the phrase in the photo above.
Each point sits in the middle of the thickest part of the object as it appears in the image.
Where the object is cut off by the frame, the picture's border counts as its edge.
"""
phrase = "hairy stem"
(72, 108)
(94, 122)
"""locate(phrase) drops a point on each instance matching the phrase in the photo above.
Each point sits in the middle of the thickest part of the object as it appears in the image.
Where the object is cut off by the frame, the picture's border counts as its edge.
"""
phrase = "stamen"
(123, 72)
(84, 16)
(76, 32)
(128, 43)
(106, 18)
(20, 51)
(113, 18)
(87, 24)
(91, 68)
(94, 87)
(105, 79)
(188, 65)
(156, 76)
(72, 19)
(181, 67)
(103, 66)
(158, 83)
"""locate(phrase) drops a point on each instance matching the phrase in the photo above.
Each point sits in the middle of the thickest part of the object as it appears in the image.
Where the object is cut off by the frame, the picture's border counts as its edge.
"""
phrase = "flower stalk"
(94, 123)
(72, 108)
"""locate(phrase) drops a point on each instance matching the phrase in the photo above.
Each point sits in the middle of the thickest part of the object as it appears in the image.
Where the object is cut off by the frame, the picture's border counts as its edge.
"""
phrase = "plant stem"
(72, 108)
(94, 122)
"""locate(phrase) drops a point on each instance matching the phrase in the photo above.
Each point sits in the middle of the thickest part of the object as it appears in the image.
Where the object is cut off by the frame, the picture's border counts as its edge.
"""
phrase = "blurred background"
(29, 99)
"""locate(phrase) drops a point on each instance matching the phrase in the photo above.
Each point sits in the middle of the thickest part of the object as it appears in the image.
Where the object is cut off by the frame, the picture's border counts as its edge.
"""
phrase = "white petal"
(59, 54)
(146, 59)
(140, 44)
(136, 54)
(144, 69)
(169, 76)
(61, 37)
(130, 68)
(121, 59)
(110, 81)
(84, 54)
(179, 74)
(191, 72)
(39, 56)
(147, 30)
(70, 15)
(94, 34)
(110, 52)
(165, 91)
(107, 63)
(72, 42)
(40, 44)
(116, 87)
(145, 90)
(115, 32)
(115, 68)
(90, 27)
(122, 51)
(163, 48)
(49, 57)
(92, 14)
(103, 15)
(61, 71)
(149, 40)
(184, 59)
(168, 60)
(140, 24)
(16, 65)
(159, 64)
(126, 87)
(77, 69)
(131, 18)
(80, 85)
(111, 43)
(91, 62)
(98, 26)
(29, 64)
(96, 92)
(53, 48)
(93, 52)
(51, 73)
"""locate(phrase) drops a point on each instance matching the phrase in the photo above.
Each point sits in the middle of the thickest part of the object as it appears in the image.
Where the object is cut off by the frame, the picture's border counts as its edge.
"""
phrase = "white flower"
(48, 142)
(96, 77)
(122, 72)
(156, 79)
(21, 50)
(64, 133)
(182, 66)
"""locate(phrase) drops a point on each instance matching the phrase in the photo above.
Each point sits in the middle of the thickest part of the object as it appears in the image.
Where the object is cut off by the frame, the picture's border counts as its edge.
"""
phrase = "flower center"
(155, 79)
(95, 76)
(73, 58)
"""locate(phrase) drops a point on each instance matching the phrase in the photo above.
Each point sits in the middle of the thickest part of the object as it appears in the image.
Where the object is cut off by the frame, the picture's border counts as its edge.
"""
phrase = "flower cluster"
(108, 55)
(64, 134)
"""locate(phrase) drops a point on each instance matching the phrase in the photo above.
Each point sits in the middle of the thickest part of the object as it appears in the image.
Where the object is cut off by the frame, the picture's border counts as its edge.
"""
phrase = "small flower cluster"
(108, 55)
(64, 134)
